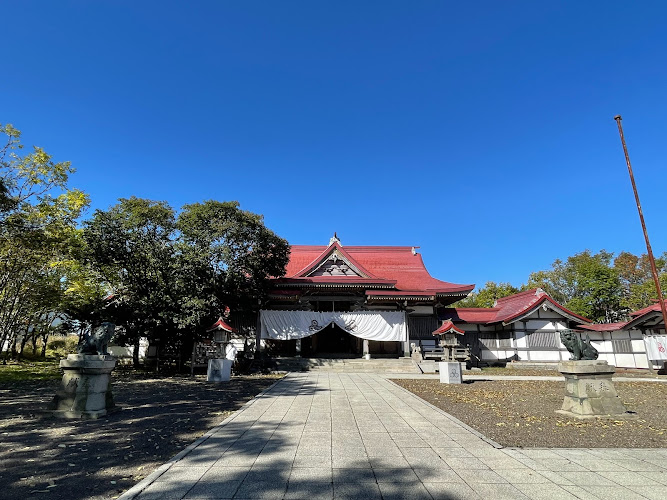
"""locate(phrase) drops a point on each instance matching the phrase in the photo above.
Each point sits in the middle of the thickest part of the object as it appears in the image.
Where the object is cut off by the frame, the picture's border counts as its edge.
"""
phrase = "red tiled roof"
(221, 325)
(479, 315)
(447, 327)
(653, 307)
(509, 309)
(523, 303)
(604, 327)
(397, 266)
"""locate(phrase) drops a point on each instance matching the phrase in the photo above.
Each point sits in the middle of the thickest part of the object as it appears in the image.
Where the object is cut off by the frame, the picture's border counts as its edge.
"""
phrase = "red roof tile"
(509, 309)
(448, 327)
(481, 315)
(653, 307)
(398, 266)
(221, 325)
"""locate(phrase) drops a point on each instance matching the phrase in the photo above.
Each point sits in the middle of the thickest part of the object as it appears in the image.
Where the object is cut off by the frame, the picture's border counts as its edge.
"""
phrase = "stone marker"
(85, 390)
(450, 372)
(589, 391)
(219, 370)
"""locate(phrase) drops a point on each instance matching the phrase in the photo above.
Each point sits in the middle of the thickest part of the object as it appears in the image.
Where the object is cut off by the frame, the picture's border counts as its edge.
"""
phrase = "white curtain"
(656, 347)
(369, 325)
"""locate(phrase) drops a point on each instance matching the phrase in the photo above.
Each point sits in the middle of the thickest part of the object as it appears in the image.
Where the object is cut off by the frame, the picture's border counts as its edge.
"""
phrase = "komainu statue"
(97, 341)
(578, 347)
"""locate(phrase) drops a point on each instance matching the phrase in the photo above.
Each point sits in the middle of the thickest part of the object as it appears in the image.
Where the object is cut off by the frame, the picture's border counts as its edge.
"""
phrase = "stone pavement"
(342, 435)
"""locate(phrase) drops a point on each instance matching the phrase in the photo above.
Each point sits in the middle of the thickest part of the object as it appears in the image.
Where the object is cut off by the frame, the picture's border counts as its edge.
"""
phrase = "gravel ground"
(45, 457)
(526, 372)
(522, 413)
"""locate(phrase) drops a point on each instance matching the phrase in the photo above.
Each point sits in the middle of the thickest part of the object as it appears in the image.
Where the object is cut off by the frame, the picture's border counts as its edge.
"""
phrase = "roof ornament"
(334, 239)
(414, 250)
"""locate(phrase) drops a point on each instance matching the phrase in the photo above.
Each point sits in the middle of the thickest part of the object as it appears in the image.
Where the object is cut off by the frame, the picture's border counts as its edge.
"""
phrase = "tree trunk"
(135, 354)
(24, 341)
(45, 339)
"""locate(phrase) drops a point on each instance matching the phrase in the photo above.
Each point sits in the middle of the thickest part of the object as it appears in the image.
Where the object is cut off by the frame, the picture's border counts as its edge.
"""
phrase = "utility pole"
(654, 270)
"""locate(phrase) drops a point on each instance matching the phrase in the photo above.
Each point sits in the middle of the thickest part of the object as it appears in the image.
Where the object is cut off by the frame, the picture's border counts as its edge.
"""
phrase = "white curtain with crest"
(369, 325)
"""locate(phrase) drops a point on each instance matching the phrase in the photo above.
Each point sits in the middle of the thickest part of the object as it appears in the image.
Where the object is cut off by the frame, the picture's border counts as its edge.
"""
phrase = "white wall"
(120, 352)
(550, 322)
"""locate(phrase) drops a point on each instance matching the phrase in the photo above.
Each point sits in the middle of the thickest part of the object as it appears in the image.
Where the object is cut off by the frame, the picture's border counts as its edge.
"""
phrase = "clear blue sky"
(481, 131)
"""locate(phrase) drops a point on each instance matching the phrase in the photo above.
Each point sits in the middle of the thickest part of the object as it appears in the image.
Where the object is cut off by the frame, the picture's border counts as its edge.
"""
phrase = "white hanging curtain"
(656, 347)
(369, 325)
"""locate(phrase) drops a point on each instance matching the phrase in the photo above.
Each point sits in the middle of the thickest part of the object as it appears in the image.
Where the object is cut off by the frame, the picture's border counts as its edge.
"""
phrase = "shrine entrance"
(332, 342)
(333, 334)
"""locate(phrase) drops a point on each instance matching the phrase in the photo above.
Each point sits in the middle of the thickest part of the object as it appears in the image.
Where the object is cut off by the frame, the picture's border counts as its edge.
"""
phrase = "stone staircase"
(345, 365)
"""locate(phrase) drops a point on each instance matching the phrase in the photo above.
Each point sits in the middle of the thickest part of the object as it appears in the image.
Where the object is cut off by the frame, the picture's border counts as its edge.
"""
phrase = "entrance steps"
(347, 365)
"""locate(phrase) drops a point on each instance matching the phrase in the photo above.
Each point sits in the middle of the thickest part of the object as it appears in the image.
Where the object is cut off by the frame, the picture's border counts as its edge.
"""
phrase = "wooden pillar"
(258, 334)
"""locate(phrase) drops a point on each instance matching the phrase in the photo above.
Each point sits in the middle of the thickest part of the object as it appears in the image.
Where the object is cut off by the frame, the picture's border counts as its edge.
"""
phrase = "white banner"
(369, 325)
(656, 346)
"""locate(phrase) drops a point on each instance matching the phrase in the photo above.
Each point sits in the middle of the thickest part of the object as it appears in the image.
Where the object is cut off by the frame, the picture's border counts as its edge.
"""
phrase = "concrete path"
(359, 436)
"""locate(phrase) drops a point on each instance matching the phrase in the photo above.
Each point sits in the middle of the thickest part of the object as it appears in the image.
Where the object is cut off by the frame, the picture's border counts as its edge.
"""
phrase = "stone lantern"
(220, 369)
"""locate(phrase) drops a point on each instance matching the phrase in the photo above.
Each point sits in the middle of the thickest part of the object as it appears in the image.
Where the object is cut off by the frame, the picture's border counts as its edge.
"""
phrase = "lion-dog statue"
(578, 347)
(97, 341)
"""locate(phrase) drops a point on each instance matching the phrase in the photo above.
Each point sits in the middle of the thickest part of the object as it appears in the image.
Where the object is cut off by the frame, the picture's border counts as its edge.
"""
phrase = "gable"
(335, 265)
(334, 261)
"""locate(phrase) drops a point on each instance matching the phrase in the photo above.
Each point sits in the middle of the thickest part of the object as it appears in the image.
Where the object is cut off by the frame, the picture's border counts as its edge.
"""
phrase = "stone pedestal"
(219, 370)
(589, 391)
(85, 390)
(450, 372)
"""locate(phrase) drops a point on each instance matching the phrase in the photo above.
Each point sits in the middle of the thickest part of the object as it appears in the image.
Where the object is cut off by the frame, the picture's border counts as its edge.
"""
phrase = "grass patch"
(21, 371)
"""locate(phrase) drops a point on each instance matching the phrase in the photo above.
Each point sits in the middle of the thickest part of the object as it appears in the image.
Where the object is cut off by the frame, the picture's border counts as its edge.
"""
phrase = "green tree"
(38, 218)
(170, 278)
(488, 294)
(227, 256)
(131, 247)
(586, 283)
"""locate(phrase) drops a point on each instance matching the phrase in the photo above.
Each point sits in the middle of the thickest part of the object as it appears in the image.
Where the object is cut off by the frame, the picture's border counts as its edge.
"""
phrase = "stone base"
(428, 367)
(589, 391)
(85, 390)
(450, 372)
(219, 370)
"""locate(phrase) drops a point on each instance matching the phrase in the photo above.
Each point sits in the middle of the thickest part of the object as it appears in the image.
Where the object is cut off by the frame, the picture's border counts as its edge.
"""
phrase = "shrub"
(60, 346)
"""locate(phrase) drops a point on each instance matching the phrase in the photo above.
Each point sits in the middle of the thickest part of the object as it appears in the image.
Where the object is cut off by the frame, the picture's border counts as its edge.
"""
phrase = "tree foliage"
(488, 294)
(599, 286)
(38, 219)
(171, 276)
(130, 247)
(602, 287)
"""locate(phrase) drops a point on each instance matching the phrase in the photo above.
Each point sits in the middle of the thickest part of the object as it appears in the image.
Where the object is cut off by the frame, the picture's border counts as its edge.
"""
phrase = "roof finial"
(334, 240)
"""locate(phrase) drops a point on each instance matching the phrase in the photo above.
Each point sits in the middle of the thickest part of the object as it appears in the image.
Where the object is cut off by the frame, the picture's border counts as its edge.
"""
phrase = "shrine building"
(381, 301)
(354, 301)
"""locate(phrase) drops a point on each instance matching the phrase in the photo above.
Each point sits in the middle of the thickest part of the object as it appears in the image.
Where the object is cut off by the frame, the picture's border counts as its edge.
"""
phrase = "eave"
(552, 304)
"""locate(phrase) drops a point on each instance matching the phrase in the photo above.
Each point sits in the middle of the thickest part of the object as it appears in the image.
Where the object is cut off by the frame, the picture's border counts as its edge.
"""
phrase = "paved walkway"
(337, 435)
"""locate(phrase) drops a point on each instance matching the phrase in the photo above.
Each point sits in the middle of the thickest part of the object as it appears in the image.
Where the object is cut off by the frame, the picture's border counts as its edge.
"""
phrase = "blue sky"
(482, 132)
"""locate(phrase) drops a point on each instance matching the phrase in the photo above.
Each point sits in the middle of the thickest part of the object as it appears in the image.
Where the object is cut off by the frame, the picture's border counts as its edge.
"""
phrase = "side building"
(522, 327)
(638, 343)
(526, 327)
